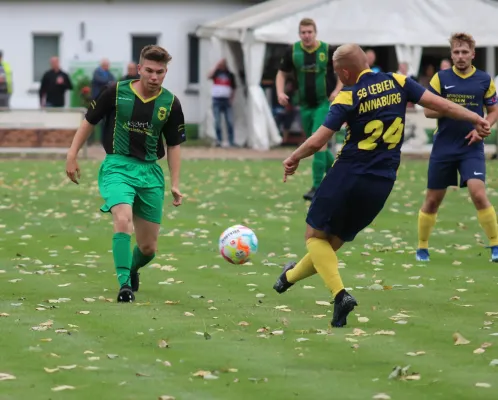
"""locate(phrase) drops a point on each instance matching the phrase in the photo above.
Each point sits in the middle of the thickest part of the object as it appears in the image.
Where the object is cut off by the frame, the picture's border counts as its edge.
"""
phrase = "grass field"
(195, 312)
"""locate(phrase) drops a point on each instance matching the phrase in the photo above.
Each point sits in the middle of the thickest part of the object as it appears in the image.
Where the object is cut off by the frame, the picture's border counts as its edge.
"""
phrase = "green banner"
(81, 73)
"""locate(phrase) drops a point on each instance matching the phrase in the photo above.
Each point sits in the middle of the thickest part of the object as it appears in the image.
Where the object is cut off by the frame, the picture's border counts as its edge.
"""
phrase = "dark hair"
(153, 52)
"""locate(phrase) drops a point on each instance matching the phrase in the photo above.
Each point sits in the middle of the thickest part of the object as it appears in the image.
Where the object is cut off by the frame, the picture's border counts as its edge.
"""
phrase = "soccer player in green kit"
(137, 114)
(310, 61)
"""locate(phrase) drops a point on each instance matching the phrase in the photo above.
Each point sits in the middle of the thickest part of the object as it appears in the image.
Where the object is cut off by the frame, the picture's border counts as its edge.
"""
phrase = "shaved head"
(349, 61)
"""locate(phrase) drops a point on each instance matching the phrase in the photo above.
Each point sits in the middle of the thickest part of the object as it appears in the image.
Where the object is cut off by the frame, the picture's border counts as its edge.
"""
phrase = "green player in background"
(310, 61)
(137, 114)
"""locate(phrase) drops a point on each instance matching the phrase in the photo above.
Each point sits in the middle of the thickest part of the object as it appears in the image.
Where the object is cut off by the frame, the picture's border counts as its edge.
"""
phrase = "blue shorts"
(347, 203)
(442, 174)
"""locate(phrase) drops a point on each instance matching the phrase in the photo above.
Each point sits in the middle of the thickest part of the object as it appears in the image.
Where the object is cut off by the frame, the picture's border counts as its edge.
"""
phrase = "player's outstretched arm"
(314, 143)
(432, 114)
(452, 110)
(81, 136)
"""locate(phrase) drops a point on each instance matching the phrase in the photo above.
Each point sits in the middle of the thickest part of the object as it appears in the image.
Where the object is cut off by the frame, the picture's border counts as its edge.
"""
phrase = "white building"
(33, 31)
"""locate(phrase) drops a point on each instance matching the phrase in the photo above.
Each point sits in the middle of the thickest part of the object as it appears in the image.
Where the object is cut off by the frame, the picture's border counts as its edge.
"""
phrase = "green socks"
(139, 259)
(122, 257)
(322, 161)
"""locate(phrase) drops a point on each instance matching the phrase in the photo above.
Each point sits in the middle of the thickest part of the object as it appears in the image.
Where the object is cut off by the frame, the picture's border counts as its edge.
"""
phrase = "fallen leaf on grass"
(415, 354)
(63, 387)
(277, 333)
(491, 314)
(301, 339)
(166, 397)
(461, 290)
(67, 367)
(6, 377)
(83, 312)
(455, 298)
(493, 363)
(483, 385)
(88, 300)
(4, 314)
(387, 333)
(363, 319)
(459, 339)
(205, 375)
(323, 303)
(112, 356)
(319, 316)
(243, 323)
(171, 303)
(51, 370)
(479, 350)
(139, 374)
(381, 396)
(163, 344)
(188, 314)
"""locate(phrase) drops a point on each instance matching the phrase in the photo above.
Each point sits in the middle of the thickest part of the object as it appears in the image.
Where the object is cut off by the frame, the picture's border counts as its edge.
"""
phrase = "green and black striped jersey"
(313, 71)
(134, 126)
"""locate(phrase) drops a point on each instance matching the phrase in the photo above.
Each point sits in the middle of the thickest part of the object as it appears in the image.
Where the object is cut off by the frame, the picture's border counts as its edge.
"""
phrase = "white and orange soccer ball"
(237, 244)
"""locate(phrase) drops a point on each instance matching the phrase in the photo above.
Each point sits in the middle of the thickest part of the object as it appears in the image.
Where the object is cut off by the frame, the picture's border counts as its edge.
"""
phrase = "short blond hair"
(307, 22)
(462, 37)
(153, 52)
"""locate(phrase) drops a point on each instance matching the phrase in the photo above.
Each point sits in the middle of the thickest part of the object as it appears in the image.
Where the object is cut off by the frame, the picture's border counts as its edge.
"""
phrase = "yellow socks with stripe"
(487, 219)
(122, 257)
(326, 263)
(302, 270)
(425, 224)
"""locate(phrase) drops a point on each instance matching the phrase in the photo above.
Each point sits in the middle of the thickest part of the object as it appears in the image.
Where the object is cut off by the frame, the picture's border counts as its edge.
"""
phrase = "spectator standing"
(54, 85)
(5, 82)
(101, 78)
(445, 64)
(371, 57)
(132, 72)
(222, 93)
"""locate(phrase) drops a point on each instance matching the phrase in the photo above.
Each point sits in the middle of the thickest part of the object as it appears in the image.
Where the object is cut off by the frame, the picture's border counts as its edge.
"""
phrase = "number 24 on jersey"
(392, 135)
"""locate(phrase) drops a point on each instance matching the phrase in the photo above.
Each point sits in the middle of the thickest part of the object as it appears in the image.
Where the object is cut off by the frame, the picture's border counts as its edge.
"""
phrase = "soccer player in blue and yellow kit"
(373, 105)
(451, 153)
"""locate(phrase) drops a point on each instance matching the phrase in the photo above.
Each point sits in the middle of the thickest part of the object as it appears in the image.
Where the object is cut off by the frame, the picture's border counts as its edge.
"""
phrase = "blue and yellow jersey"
(374, 110)
(473, 91)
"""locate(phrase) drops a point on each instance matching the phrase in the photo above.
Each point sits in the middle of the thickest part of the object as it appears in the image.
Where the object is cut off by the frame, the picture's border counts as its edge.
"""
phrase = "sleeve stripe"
(344, 97)
(436, 83)
(401, 79)
(491, 89)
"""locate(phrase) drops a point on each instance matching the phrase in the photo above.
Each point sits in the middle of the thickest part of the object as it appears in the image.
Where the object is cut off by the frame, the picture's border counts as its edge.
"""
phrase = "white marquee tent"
(409, 25)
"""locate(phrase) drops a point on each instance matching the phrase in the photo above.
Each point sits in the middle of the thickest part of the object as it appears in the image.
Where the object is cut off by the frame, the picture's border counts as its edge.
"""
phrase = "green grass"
(51, 234)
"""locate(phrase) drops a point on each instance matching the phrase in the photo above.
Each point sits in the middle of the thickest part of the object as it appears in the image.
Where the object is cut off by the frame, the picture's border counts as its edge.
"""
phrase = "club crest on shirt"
(321, 57)
(161, 113)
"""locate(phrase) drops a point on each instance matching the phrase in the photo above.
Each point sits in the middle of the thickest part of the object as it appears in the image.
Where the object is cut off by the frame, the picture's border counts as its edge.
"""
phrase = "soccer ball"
(237, 244)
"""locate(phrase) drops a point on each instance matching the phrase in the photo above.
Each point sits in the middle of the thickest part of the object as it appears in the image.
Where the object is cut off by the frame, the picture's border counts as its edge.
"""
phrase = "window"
(138, 42)
(44, 47)
(193, 59)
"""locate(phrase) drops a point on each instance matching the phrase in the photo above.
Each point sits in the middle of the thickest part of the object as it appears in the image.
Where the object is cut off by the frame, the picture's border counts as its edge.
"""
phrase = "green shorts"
(313, 117)
(127, 180)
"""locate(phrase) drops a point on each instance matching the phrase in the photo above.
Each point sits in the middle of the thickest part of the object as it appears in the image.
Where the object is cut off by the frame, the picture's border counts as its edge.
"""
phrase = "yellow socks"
(302, 270)
(425, 224)
(326, 263)
(487, 219)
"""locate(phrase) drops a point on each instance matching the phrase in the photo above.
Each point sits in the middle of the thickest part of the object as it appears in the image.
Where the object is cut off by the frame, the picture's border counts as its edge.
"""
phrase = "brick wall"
(36, 137)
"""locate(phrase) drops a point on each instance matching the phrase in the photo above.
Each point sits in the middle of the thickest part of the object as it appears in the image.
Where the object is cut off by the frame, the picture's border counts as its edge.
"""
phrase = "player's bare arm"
(81, 136)
(432, 114)
(313, 144)
(451, 110)
(338, 88)
(282, 76)
(492, 114)
(174, 162)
